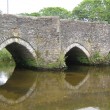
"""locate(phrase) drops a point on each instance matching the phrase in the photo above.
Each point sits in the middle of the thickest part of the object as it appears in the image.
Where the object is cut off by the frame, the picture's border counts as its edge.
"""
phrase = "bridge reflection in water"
(76, 77)
(81, 87)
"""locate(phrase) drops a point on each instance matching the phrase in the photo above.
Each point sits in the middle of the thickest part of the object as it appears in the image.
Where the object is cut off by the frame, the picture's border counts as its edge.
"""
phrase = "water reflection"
(76, 77)
(3, 78)
(82, 88)
(19, 86)
(5, 74)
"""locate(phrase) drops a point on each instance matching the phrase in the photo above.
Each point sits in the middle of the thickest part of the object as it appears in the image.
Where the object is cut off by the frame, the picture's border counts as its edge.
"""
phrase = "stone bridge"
(49, 42)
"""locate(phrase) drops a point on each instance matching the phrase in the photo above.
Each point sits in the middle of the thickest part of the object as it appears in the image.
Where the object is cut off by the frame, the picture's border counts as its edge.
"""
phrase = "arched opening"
(21, 51)
(76, 55)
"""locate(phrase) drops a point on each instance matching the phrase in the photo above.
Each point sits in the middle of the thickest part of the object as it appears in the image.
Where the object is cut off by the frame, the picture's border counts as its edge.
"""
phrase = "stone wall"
(48, 39)
(42, 34)
(92, 36)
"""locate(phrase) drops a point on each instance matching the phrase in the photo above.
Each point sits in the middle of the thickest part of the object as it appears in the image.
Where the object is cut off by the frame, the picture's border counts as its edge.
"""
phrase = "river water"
(82, 88)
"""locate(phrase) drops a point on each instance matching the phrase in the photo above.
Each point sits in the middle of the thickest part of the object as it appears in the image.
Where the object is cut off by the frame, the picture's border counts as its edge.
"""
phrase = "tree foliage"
(31, 14)
(55, 11)
(92, 10)
(89, 10)
(51, 11)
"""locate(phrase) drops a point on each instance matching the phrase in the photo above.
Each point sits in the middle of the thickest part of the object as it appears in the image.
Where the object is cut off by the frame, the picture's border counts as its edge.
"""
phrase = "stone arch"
(73, 52)
(19, 49)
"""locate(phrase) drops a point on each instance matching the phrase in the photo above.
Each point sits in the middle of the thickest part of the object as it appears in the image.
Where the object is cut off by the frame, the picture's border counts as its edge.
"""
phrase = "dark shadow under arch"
(76, 56)
(21, 51)
(21, 55)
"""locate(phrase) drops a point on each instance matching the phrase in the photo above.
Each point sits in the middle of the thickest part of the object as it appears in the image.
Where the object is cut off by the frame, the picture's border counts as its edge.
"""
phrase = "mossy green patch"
(98, 59)
(59, 63)
(5, 55)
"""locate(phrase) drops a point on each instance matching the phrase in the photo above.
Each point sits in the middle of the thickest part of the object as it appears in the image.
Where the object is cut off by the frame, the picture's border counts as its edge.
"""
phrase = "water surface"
(82, 88)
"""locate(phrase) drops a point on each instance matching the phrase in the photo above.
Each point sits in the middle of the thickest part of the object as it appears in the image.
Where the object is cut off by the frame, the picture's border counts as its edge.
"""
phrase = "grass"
(5, 55)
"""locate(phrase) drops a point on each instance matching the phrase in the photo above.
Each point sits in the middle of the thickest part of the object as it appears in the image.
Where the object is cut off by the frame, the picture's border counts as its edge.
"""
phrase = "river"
(82, 88)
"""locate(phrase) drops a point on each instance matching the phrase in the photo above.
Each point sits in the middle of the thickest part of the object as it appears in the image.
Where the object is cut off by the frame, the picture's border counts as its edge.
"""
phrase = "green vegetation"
(83, 60)
(31, 14)
(5, 55)
(55, 11)
(98, 59)
(92, 10)
(51, 11)
(60, 63)
(95, 59)
(87, 10)
(41, 63)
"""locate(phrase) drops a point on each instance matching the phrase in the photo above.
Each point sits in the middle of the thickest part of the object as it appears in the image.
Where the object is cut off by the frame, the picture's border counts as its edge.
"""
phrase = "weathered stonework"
(46, 39)
(92, 36)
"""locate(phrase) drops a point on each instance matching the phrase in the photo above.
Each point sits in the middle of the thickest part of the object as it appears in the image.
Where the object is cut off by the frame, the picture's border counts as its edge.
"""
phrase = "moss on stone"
(59, 63)
(98, 59)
